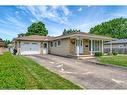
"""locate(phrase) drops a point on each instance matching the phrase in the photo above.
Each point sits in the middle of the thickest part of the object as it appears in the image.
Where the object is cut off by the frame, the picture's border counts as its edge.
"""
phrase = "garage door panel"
(30, 48)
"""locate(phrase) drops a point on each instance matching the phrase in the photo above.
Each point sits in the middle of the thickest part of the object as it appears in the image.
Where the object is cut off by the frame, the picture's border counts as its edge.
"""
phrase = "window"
(95, 45)
(26, 43)
(34, 43)
(55, 44)
(45, 45)
(51, 44)
(59, 42)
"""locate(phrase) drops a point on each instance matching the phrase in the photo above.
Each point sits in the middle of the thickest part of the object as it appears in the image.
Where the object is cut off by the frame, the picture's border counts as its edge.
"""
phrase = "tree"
(116, 28)
(37, 29)
(7, 42)
(21, 34)
(66, 32)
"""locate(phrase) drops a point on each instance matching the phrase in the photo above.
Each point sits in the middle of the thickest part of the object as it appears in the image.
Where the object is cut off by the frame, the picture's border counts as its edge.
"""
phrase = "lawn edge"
(108, 65)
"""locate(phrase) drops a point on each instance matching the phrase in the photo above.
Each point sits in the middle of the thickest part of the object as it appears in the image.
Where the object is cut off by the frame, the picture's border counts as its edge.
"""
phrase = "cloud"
(58, 14)
(66, 10)
(80, 9)
(85, 27)
(11, 25)
(7, 32)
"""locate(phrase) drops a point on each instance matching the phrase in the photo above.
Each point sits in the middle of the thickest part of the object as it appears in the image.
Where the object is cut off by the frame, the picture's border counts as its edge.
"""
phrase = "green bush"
(98, 54)
(114, 53)
(109, 53)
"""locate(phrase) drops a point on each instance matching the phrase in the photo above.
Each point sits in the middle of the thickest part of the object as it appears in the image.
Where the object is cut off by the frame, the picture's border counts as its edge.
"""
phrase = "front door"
(45, 48)
(79, 46)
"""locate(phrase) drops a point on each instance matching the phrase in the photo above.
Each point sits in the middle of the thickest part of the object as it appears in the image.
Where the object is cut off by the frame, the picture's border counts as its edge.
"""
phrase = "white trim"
(110, 47)
(91, 50)
(102, 47)
(77, 46)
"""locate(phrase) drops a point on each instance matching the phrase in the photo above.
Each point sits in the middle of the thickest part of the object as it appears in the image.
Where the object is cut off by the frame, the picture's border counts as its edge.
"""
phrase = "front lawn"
(120, 60)
(18, 72)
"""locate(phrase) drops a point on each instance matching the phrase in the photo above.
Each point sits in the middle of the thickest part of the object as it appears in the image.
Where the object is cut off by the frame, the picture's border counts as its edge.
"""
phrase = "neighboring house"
(118, 45)
(2, 49)
(74, 44)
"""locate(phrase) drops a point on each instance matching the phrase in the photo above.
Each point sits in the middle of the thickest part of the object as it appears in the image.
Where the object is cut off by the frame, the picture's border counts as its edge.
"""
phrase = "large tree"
(37, 28)
(116, 28)
(66, 32)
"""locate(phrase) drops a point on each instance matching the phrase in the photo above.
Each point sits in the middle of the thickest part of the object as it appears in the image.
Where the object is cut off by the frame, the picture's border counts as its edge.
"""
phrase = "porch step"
(86, 57)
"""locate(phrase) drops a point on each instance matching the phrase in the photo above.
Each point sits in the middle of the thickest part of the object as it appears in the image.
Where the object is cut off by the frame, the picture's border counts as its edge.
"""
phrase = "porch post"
(91, 53)
(102, 47)
(77, 46)
(111, 47)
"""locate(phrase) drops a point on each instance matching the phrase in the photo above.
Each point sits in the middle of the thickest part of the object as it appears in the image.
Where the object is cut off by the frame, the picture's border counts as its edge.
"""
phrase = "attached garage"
(31, 45)
(29, 48)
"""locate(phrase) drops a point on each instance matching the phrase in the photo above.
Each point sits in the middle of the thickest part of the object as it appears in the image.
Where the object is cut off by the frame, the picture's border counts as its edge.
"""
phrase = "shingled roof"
(33, 38)
(49, 38)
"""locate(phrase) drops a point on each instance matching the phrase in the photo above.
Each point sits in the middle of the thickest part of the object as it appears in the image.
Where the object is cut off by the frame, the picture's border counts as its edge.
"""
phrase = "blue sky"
(16, 19)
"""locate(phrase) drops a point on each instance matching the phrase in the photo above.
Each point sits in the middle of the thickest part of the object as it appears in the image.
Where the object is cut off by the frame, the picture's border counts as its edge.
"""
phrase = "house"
(118, 45)
(2, 49)
(74, 44)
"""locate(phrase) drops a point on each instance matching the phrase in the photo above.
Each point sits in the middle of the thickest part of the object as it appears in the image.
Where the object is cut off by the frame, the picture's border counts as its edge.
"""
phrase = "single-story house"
(74, 44)
(2, 49)
(118, 45)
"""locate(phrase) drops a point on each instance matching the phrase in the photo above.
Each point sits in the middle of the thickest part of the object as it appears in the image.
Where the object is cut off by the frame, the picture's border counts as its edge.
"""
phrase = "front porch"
(81, 47)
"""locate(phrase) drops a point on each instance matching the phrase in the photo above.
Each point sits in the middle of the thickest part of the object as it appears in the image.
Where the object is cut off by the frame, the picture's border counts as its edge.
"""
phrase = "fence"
(118, 50)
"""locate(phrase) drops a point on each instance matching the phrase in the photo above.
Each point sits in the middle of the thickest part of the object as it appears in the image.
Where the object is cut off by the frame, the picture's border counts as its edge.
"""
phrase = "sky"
(15, 19)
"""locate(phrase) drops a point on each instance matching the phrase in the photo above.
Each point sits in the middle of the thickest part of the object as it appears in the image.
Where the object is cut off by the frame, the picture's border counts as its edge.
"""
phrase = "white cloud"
(2, 21)
(85, 27)
(57, 14)
(8, 32)
(80, 9)
(66, 10)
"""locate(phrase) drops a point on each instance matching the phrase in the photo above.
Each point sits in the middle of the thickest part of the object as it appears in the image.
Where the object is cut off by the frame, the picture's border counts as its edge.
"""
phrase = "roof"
(118, 41)
(33, 38)
(49, 38)
(82, 35)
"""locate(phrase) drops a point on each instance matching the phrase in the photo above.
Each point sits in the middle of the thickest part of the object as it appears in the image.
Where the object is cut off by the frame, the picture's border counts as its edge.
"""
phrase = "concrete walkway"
(83, 73)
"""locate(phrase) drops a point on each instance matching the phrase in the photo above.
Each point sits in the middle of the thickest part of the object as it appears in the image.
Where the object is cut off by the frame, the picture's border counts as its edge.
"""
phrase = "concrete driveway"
(85, 74)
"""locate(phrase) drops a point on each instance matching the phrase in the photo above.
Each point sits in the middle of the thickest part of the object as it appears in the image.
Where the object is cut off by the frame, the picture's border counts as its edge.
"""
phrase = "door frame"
(45, 50)
(79, 45)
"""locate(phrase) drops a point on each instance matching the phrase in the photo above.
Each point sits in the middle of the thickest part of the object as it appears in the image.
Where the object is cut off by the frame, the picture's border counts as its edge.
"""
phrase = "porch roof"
(92, 36)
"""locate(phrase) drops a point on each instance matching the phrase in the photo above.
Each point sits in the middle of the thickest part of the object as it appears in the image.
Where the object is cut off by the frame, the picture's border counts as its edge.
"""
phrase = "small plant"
(98, 54)
(109, 53)
(114, 53)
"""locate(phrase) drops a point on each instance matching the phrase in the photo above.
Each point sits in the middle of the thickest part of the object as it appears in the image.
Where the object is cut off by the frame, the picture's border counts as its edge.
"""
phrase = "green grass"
(120, 60)
(18, 72)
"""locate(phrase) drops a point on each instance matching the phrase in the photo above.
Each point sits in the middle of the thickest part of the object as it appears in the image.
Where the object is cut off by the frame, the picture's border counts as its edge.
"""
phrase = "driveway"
(83, 73)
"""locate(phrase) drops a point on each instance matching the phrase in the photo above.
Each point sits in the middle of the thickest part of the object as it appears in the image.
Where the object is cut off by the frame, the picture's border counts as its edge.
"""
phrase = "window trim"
(58, 42)
(51, 44)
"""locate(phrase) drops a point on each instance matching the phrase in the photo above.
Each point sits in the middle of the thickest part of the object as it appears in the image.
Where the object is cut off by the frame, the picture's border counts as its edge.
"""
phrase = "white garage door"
(29, 48)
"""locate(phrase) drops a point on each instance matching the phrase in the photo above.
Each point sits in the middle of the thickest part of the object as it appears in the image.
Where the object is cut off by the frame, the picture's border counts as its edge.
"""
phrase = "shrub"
(109, 53)
(114, 53)
(98, 54)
